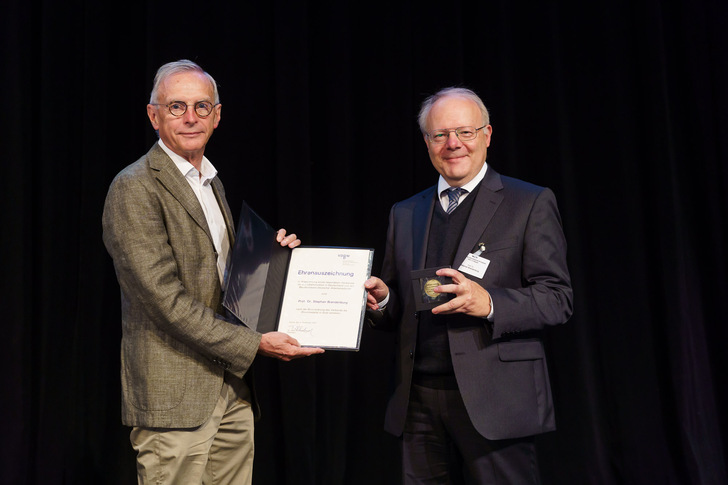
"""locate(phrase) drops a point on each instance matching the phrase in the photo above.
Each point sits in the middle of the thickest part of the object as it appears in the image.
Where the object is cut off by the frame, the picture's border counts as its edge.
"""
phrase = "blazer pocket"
(507, 243)
(502, 254)
(516, 351)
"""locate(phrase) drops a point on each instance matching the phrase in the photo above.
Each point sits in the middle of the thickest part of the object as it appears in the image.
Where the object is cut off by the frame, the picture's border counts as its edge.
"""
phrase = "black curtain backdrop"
(620, 106)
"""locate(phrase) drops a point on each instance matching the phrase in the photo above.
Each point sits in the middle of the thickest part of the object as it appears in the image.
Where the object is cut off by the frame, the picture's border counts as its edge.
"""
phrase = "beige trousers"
(219, 452)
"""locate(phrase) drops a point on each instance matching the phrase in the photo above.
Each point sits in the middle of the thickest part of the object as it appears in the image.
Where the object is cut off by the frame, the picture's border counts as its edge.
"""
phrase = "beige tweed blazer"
(175, 344)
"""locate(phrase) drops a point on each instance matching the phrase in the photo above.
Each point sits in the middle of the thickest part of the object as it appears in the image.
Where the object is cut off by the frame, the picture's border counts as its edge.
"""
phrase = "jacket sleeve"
(167, 282)
(544, 296)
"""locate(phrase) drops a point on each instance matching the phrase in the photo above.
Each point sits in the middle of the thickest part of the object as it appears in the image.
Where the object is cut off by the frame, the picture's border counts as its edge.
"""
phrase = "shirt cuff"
(384, 302)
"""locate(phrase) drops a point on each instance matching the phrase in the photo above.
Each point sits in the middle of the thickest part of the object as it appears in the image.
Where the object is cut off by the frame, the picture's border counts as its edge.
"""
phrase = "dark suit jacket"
(500, 367)
(175, 344)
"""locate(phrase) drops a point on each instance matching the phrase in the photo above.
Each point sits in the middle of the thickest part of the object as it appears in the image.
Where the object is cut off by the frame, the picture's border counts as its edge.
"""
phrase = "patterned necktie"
(453, 193)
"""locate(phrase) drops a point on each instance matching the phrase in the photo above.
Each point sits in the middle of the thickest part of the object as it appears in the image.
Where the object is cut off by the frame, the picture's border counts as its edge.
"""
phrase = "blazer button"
(411, 354)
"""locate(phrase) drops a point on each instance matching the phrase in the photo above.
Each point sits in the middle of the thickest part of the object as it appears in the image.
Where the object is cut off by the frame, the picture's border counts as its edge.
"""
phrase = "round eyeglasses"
(178, 108)
(464, 133)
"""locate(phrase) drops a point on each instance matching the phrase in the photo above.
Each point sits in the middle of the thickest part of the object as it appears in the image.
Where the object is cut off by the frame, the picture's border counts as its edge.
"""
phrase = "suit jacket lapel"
(421, 219)
(486, 203)
(175, 183)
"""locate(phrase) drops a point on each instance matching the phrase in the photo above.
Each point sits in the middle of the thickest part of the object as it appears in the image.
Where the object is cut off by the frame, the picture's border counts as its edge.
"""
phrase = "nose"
(190, 116)
(452, 140)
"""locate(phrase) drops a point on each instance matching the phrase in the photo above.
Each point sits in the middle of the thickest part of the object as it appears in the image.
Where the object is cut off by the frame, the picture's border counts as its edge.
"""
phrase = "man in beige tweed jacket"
(186, 388)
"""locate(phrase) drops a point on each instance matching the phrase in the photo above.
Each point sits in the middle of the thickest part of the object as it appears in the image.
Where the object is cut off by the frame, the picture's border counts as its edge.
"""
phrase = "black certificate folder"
(314, 294)
(255, 274)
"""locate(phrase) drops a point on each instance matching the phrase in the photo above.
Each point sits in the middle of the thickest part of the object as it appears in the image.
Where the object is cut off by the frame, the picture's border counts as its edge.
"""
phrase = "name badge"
(475, 264)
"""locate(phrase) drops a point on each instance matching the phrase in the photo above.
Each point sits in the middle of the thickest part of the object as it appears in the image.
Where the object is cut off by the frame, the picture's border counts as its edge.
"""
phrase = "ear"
(218, 114)
(153, 115)
(487, 131)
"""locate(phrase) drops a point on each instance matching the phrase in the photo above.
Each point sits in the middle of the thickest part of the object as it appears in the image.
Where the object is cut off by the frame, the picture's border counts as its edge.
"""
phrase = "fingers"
(456, 275)
(470, 298)
(445, 308)
(293, 352)
(306, 351)
(372, 283)
(373, 297)
(290, 240)
(458, 286)
(288, 340)
(284, 347)
(377, 290)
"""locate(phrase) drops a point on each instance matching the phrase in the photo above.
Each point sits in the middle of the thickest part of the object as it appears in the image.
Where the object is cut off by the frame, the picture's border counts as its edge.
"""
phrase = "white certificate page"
(324, 299)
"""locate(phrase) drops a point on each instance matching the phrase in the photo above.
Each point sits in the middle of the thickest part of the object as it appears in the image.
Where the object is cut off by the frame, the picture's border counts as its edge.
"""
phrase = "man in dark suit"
(471, 383)
(185, 376)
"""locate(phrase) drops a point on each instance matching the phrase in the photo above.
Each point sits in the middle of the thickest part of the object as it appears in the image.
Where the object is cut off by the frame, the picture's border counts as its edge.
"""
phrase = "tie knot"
(454, 190)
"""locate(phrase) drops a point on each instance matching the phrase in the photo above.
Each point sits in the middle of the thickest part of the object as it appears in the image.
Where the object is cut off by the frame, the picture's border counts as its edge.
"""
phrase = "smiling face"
(188, 134)
(457, 161)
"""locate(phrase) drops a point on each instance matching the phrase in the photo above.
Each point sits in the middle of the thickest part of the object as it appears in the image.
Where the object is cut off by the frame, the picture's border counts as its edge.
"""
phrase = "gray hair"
(451, 91)
(177, 67)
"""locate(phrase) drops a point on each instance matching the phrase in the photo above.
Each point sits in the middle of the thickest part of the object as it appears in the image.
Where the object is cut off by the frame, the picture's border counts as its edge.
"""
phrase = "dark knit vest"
(433, 364)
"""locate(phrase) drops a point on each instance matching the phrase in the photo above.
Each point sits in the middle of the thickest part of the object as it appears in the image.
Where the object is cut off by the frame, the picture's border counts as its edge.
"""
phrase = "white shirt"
(442, 187)
(200, 181)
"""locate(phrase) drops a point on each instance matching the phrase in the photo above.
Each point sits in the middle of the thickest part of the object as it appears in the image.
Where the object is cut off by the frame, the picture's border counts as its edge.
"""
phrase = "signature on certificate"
(300, 329)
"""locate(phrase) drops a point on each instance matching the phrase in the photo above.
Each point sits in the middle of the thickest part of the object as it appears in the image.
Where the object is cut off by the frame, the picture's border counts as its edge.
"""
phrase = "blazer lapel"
(175, 183)
(421, 219)
(486, 203)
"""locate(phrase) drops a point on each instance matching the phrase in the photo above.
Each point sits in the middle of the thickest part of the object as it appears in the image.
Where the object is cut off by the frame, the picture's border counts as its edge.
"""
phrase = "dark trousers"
(441, 446)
